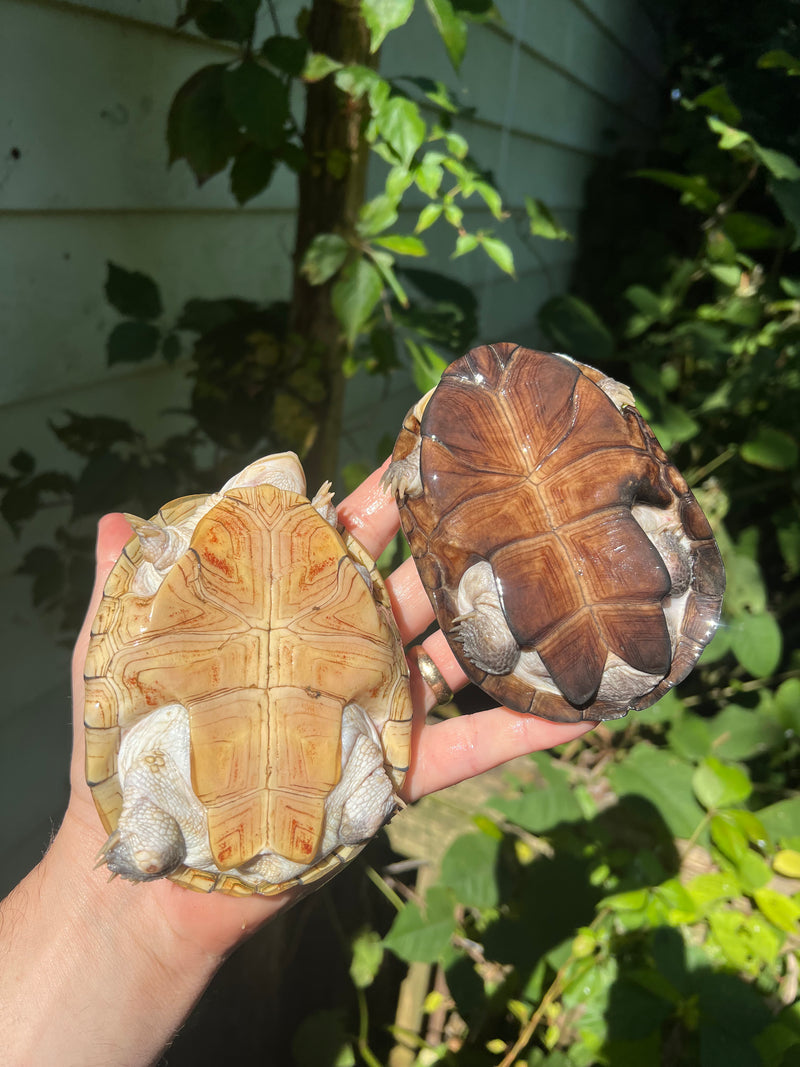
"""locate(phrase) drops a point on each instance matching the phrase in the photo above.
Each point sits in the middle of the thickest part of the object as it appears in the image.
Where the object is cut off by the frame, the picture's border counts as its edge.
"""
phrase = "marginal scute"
(542, 467)
(260, 635)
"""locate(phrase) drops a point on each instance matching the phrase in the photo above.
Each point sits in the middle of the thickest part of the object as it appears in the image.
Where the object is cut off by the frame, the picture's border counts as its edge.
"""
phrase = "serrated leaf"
(200, 127)
(355, 294)
(132, 293)
(499, 252)
(771, 448)
(423, 937)
(720, 785)
(132, 342)
(323, 258)
(451, 28)
(757, 643)
(401, 126)
(383, 16)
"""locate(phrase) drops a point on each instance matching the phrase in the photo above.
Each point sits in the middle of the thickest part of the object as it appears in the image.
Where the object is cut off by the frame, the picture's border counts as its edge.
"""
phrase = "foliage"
(635, 898)
(259, 378)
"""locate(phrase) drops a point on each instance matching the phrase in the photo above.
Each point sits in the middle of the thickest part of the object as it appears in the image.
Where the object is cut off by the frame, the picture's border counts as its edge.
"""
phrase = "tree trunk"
(331, 191)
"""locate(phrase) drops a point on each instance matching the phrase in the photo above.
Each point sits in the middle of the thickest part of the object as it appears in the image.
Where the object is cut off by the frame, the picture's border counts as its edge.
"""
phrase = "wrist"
(87, 965)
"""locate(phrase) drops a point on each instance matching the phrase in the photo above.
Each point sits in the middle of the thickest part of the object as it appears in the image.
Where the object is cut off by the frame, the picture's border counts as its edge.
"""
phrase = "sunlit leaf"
(543, 223)
(451, 28)
(355, 294)
(719, 785)
(367, 956)
(499, 252)
(383, 16)
(403, 244)
(400, 124)
(780, 59)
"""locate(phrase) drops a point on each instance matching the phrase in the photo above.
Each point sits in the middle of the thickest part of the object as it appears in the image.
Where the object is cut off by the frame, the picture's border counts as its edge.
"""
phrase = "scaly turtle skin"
(569, 565)
(247, 706)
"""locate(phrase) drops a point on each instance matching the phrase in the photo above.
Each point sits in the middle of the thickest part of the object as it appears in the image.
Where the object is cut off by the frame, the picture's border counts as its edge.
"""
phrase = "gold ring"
(431, 675)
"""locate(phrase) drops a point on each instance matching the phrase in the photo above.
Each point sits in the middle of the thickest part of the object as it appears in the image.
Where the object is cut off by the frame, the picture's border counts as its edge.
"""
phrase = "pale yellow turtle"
(247, 715)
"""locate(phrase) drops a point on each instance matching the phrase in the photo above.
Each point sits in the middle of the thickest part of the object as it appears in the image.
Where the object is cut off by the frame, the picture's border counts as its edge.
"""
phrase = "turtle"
(568, 563)
(248, 712)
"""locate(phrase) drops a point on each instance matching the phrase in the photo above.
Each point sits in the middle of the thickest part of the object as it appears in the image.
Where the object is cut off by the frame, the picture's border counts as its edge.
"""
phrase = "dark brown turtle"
(569, 565)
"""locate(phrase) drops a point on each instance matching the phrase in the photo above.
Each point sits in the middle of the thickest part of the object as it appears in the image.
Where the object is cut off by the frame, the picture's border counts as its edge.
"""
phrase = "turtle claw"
(112, 840)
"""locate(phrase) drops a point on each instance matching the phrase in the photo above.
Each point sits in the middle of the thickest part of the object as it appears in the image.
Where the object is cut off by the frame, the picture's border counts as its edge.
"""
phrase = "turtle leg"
(364, 798)
(161, 821)
(480, 627)
(403, 477)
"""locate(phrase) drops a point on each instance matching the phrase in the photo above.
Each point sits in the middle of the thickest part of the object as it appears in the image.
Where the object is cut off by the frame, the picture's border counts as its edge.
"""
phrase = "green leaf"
(741, 733)
(757, 643)
(690, 737)
(355, 295)
(132, 293)
(720, 785)
(323, 258)
(665, 781)
(469, 869)
(423, 937)
(575, 329)
(367, 957)
(319, 66)
(222, 20)
(780, 166)
(465, 242)
(499, 252)
(429, 214)
(717, 100)
(403, 244)
(747, 230)
(543, 223)
(728, 837)
(376, 215)
(771, 448)
(787, 195)
(132, 342)
(781, 911)
(451, 28)
(200, 127)
(491, 198)
(383, 16)
(694, 188)
(542, 809)
(427, 365)
(401, 126)
(780, 59)
(251, 172)
(787, 862)
(259, 101)
(287, 54)
(782, 819)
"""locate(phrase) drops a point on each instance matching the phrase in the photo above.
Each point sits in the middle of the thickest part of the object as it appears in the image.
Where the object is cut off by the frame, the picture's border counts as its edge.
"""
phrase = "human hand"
(441, 754)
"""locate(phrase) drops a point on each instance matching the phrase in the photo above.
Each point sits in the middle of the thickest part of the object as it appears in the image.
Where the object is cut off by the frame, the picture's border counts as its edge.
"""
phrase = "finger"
(410, 604)
(370, 513)
(445, 665)
(456, 749)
